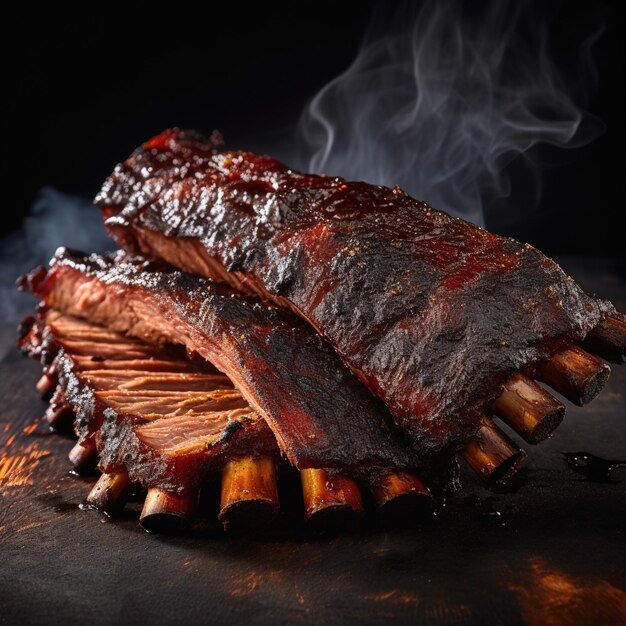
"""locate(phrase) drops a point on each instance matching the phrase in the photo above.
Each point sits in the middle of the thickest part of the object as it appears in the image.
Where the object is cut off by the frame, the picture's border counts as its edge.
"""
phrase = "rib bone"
(492, 455)
(249, 495)
(332, 502)
(111, 492)
(528, 409)
(401, 498)
(575, 374)
(167, 511)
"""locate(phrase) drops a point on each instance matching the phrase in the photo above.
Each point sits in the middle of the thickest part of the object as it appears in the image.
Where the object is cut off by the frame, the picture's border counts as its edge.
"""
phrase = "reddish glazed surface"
(320, 414)
(433, 313)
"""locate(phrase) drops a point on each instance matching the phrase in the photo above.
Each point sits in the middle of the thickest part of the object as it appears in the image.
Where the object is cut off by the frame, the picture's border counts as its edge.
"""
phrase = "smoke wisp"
(56, 219)
(441, 99)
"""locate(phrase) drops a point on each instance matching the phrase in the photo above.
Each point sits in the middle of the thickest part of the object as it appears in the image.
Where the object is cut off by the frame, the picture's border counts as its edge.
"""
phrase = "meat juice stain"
(594, 468)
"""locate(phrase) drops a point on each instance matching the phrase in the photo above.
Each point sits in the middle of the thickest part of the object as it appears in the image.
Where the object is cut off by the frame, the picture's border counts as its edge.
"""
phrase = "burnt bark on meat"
(321, 415)
(434, 314)
(151, 412)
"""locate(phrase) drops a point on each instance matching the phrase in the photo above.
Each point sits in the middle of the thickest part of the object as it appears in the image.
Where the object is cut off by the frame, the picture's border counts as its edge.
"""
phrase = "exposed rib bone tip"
(110, 492)
(58, 411)
(45, 385)
(492, 455)
(83, 455)
(608, 339)
(528, 409)
(332, 502)
(401, 499)
(249, 496)
(575, 374)
(166, 511)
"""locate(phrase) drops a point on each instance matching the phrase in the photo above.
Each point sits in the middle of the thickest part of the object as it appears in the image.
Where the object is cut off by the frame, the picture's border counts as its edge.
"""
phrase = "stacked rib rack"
(257, 316)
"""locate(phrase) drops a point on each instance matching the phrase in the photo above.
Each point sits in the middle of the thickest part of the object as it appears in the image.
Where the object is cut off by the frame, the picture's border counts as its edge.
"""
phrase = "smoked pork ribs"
(254, 312)
(321, 415)
(432, 313)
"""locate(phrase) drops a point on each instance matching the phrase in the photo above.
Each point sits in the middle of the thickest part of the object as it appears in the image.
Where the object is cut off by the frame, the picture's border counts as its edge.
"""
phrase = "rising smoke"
(56, 219)
(441, 99)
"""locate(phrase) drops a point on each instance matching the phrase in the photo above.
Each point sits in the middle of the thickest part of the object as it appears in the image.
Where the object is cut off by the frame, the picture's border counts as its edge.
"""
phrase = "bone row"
(249, 495)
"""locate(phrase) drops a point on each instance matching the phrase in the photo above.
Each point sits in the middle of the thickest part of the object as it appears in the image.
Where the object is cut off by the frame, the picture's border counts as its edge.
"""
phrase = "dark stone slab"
(548, 550)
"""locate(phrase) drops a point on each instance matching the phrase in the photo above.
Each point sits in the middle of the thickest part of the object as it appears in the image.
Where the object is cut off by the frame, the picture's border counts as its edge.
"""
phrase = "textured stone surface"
(548, 551)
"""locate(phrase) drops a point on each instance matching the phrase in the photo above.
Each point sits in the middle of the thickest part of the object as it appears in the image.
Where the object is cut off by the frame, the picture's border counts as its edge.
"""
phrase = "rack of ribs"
(325, 421)
(433, 314)
(256, 316)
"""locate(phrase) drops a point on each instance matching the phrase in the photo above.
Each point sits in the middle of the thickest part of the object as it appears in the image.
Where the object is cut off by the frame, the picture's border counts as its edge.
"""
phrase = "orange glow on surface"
(16, 469)
(550, 597)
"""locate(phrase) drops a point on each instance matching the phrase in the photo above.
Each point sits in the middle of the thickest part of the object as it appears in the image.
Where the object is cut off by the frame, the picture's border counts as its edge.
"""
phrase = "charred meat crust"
(431, 312)
(165, 419)
(321, 415)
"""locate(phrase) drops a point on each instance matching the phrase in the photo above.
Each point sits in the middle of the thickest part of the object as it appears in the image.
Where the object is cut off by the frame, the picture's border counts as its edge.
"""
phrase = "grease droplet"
(593, 467)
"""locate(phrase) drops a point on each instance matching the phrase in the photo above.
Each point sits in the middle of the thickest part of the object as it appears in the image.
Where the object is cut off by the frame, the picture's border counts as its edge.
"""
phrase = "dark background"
(80, 92)
(84, 89)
